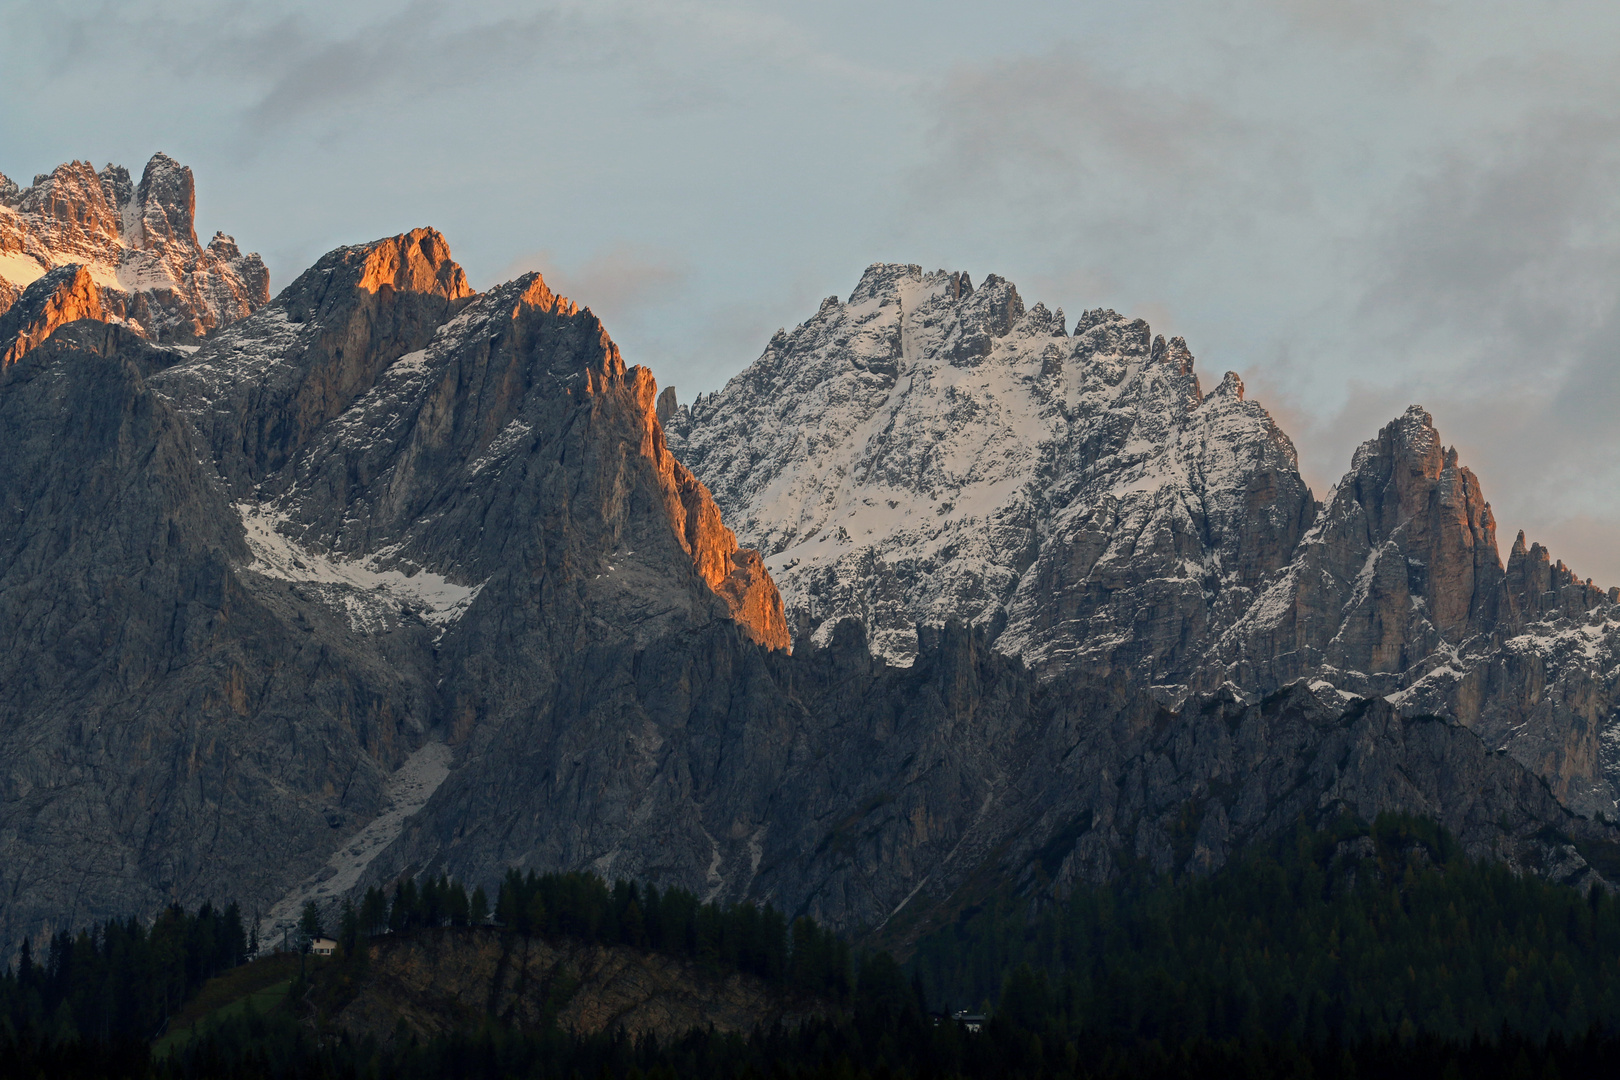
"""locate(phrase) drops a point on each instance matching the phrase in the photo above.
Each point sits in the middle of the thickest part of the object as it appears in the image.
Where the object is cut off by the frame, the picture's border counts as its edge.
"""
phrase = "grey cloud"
(1513, 246)
(1059, 119)
(420, 51)
(618, 284)
(1498, 291)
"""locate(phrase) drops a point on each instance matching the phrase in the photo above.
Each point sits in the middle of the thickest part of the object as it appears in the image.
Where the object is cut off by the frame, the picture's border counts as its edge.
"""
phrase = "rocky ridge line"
(386, 522)
(927, 450)
(137, 244)
(247, 582)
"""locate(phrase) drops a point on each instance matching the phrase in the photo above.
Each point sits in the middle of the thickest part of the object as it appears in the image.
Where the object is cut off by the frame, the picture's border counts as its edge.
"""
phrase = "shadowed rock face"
(928, 451)
(170, 728)
(385, 521)
(1398, 591)
(137, 243)
(246, 583)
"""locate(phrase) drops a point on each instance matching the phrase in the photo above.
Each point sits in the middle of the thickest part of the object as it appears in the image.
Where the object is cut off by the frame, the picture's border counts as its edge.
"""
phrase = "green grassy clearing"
(264, 982)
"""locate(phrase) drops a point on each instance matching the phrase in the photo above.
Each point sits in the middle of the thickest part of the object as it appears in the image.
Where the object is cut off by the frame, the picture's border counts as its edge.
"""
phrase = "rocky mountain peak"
(1412, 491)
(72, 196)
(1085, 503)
(138, 243)
(320, 345)
(62, 296)
(390, 576)
(1001, 304)
(417, 261)
(908, 453)
(1231, 386)
(168, 201)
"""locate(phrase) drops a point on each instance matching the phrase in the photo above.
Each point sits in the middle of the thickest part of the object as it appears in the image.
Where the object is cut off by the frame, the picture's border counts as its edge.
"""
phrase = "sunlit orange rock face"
(137, 242)
(60, 297)
(626, 399)
(417, 261)
(736, 574)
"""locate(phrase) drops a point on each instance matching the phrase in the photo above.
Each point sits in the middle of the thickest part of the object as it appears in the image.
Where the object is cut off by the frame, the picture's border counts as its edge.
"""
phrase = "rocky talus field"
(389, 575)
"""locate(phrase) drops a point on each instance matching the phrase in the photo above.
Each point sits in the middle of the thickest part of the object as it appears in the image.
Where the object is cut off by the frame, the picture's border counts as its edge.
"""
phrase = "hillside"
(436, 982)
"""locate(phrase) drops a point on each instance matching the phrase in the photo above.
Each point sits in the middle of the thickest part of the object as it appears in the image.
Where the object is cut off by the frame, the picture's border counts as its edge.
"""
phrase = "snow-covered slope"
(928, 450)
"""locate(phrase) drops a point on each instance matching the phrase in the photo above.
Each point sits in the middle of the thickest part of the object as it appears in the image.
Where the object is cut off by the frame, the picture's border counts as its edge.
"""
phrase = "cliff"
(434, 982)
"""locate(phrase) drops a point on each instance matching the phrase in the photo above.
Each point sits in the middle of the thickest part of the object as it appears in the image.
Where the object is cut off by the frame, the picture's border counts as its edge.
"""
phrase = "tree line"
(734, 937)
(1361, 950)
(121, 979)
(1354, 933)
(887, 1034)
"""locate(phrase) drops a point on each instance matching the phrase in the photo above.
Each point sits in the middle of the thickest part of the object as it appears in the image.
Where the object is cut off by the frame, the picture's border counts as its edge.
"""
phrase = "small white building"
(971, 1022)
(322, 946)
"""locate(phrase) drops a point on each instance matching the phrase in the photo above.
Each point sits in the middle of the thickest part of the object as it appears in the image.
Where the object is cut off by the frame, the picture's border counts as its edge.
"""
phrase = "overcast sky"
(1355, 204)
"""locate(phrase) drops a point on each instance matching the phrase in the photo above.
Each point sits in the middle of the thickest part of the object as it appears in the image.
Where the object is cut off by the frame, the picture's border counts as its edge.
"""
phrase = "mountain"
(928, 450)
(81, 244)
(392, 576)
(251, 588)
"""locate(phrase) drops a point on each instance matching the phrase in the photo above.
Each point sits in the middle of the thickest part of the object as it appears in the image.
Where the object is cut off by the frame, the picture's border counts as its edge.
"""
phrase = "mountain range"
(386, 575)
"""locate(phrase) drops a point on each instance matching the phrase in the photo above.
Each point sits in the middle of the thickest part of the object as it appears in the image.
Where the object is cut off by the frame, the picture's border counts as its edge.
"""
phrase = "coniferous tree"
(309, 924)
(374, 912)
(349, 927)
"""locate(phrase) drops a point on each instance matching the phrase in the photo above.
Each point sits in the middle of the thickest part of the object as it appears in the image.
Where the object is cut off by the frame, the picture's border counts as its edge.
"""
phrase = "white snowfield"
(909, 455)
(368, 593)
(21, 269)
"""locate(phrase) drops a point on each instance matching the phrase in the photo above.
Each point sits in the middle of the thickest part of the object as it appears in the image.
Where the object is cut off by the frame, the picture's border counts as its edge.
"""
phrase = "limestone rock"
(927, 451)
(392, 576)
(248, 582)
(137, 242)
(64, 295)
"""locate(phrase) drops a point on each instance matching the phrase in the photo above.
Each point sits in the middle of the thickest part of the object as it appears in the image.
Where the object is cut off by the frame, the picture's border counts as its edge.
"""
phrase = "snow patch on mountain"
(408, 790)
(909, 456)
(368, 594)
(19, 269)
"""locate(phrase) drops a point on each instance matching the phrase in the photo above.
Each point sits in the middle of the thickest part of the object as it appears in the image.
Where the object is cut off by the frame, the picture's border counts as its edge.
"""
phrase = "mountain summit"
(136, 252)
(928, 450)
(389, 576)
